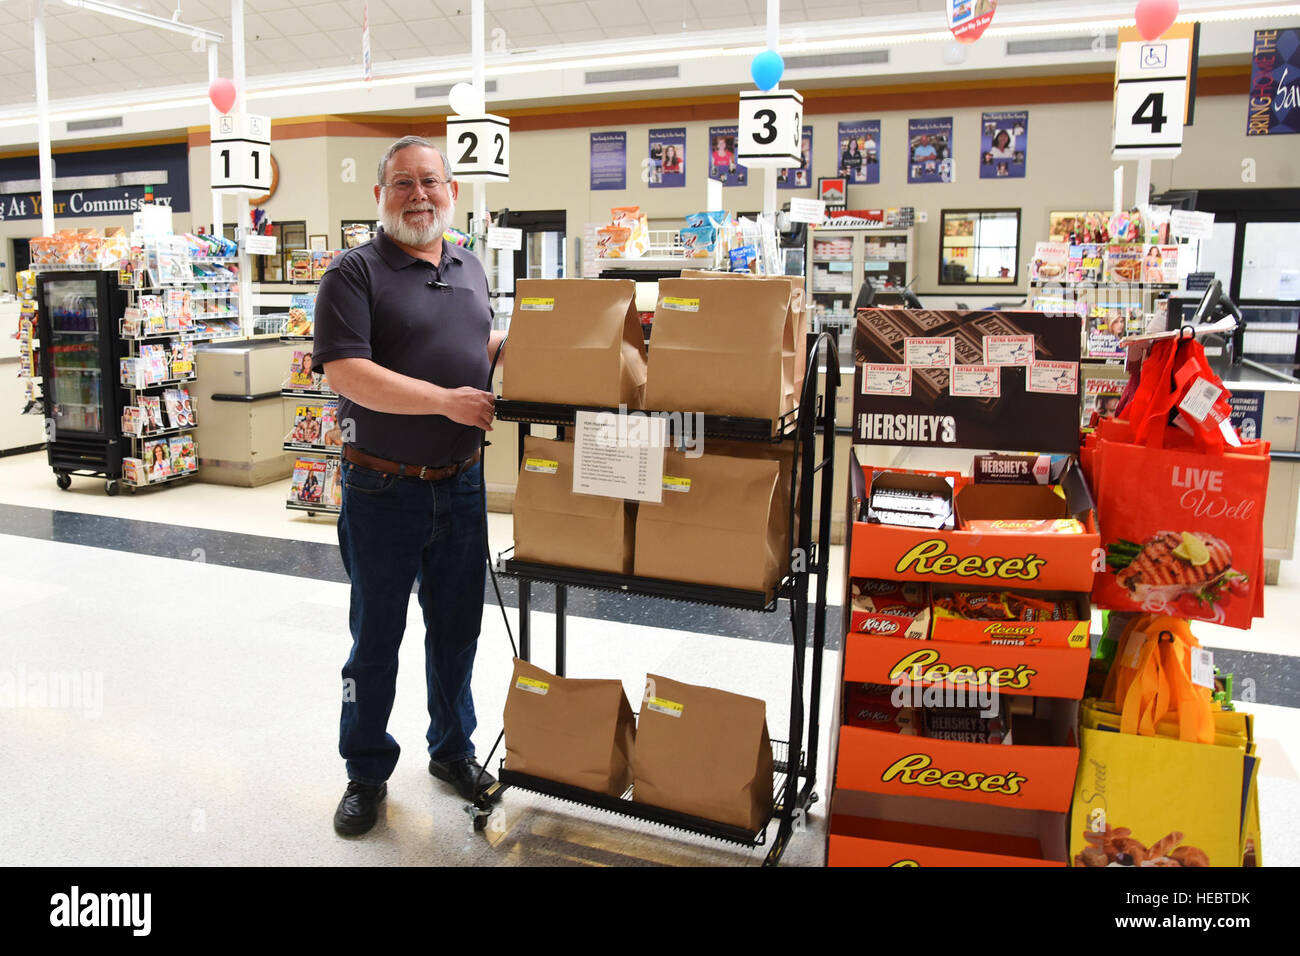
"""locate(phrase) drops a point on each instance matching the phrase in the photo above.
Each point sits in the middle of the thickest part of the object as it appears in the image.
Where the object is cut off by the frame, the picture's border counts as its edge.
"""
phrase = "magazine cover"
(133, 420)
(1107, 325)
(182, 359)
(157, 459)
(301, 469)
(1086, 263)
(1051, 262)
(299, 265)
(153, 416)
(331, 434)
(1160, 265)
(314, 488)
(182, 454)
(333, 495)
(1124, 263)
(187, 408)
(300, 373)
(306, 424)
(133, 471)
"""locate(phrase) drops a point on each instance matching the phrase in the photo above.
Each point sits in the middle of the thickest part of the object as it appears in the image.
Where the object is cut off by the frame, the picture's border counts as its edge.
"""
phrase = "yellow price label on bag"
(661, 706)
(536, 304)
(532, 685)
(679, 304)
(672, 483)
(545, 466)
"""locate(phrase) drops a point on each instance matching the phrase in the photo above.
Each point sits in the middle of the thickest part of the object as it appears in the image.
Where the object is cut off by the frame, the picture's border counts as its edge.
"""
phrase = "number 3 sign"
(479, 148)
(771, 128)
(1150, 99)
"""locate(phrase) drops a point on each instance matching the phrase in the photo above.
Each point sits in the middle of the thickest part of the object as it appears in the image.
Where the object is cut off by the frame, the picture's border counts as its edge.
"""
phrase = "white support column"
(214, 70)
(242, 223)
(1142, 190)
(773, 44)
(480, 88)
(43, 119)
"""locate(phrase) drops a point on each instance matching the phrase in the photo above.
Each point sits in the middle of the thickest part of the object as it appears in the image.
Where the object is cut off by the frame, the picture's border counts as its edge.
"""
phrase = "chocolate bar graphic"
(881, 339)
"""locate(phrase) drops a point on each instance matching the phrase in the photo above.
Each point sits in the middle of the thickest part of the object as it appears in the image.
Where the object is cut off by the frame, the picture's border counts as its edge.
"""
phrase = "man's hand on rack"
(469, 406)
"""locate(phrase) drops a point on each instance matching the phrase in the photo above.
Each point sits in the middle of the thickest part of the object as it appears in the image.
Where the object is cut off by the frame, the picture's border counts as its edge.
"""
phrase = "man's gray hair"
(404, 143)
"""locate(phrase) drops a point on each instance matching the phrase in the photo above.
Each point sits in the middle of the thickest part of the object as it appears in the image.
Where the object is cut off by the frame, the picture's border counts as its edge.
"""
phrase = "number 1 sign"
(1150, 99)
(241, 153)
(771, 129)
(479, 148)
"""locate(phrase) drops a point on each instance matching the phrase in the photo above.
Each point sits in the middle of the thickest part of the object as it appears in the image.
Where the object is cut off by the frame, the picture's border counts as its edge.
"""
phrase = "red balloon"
(1154, 17)
(222, 94)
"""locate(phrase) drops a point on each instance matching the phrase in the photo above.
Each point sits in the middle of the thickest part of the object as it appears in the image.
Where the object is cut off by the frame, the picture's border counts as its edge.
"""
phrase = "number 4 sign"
(1150, 99)
(479, 148)
(241, 152)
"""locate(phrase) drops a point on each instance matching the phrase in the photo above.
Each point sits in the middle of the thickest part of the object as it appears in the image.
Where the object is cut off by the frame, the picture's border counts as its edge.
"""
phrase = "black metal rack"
(815, 416)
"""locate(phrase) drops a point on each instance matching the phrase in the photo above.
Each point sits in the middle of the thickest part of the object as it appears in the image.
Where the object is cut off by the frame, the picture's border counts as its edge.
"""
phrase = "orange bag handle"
(1192, 702)
(1121, 675)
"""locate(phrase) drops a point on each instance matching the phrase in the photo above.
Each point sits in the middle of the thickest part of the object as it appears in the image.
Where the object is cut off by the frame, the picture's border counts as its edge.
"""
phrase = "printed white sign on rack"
(240, 157)
(479, 148)
(1184, 224)
(619, 456)
(259, 245)
(505, 237)
(808, 210)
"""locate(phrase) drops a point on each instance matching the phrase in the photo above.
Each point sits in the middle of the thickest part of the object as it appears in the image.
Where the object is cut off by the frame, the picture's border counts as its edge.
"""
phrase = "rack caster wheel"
(111, 488)
(63, 480)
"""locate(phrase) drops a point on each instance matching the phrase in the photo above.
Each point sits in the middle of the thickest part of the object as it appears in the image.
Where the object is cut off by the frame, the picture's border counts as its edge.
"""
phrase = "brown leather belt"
(406, 471)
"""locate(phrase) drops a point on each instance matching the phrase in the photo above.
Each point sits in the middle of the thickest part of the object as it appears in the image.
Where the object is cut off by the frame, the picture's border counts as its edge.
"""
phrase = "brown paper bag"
(715, 525)
(723, 347)
(783, 455)
(578, 732)
(704, 752)
(796, 347)
(576, 342)
(555, 526)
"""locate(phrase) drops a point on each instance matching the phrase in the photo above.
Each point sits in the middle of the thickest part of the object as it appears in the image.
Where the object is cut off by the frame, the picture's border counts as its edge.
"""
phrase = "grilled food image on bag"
(1170, 565)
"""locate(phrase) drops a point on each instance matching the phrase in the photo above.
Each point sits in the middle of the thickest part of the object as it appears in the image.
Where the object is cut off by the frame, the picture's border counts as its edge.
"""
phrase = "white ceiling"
(91, 53)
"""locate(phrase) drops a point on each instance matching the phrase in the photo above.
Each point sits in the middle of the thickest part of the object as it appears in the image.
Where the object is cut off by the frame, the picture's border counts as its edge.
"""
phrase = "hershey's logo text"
(877, 426)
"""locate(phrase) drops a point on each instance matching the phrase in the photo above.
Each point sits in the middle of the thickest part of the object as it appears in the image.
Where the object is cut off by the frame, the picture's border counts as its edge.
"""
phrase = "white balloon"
(465, 100)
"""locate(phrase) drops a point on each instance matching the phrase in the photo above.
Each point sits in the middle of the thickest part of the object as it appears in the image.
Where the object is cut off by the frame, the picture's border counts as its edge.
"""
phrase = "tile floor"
(205, 627)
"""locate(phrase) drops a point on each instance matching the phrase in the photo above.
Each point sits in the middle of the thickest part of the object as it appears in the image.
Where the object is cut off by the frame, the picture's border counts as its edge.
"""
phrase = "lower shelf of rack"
(313, 509)
(625, 806)
(648, 587)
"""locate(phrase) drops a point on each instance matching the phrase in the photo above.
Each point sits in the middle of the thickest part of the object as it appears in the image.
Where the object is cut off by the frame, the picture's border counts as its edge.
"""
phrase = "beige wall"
(1069, 167)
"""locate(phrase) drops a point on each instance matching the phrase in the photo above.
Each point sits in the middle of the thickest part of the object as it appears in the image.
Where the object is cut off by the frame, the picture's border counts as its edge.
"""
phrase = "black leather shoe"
(466, 775)
(359, 808)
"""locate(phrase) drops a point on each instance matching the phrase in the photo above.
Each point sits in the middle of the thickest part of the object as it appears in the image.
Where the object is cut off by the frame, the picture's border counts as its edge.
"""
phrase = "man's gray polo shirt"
(376, 302)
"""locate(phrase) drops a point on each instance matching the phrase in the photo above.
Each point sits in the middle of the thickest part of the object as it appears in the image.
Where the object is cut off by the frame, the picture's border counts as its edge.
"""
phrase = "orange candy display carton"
(1033, 560)
(1035, 775)
(872, 829)
(1070, 630)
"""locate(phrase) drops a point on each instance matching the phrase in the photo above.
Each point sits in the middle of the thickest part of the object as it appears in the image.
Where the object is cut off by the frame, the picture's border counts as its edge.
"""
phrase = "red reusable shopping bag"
(1180, 513)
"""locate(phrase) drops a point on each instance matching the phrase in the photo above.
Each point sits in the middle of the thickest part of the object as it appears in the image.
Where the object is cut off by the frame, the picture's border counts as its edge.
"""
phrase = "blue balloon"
(766, 69)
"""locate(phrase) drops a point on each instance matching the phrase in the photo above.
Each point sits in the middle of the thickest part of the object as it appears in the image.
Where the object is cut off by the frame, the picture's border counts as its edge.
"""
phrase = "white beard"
(415, 236)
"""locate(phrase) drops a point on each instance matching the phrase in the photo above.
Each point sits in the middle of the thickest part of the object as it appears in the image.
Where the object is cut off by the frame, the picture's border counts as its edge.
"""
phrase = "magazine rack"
(794, 759)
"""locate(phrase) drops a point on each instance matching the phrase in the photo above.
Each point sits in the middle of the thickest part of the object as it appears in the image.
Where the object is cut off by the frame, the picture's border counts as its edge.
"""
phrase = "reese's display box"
(1010, 618)
(1038, 556)
(875, 829)
(1034, 772)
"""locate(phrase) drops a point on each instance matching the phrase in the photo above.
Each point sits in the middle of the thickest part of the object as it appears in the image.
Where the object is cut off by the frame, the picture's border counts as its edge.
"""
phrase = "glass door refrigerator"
(78, 320)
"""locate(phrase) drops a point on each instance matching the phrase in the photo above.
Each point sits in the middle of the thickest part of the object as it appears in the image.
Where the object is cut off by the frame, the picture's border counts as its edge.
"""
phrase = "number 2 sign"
(479, 148)
(771, 128)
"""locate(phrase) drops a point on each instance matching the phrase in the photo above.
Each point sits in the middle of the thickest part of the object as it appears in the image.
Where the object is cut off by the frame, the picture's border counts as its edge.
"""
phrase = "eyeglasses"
(405, 185)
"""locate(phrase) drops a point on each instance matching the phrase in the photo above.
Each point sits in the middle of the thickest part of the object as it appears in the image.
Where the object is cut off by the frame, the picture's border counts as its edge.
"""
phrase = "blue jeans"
(394, 532)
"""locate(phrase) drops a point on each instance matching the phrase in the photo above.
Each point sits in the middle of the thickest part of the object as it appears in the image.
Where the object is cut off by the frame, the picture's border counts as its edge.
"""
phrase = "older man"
(403, 331)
